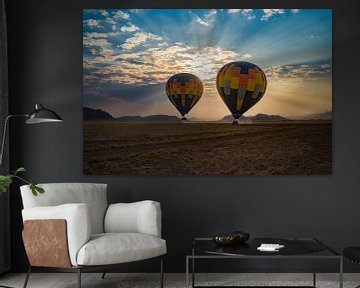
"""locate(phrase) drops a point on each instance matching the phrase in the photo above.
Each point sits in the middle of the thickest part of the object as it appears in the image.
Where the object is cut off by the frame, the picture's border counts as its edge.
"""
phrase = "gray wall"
(46, 66)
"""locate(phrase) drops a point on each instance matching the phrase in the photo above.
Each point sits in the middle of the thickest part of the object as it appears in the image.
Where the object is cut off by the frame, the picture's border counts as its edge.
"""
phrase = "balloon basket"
(183, 118)
(235, 122)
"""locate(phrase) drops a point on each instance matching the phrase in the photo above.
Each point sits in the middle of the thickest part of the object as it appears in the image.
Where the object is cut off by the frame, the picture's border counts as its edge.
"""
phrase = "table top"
(292, 247)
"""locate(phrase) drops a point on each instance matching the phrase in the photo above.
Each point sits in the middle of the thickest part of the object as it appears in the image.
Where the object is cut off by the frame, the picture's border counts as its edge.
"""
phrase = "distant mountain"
(95, 114)
(258, 117)
(150, 118)
(230, 118)
(130, 118)
(264, 117)
(318, 116)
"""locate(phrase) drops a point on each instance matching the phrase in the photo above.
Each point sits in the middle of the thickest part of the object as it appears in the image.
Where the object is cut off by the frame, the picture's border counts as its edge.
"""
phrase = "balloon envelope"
(184, 90)
(241, 85)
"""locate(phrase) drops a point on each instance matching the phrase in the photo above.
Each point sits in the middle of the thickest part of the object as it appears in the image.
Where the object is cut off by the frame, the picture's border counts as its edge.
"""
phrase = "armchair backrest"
(92, 194)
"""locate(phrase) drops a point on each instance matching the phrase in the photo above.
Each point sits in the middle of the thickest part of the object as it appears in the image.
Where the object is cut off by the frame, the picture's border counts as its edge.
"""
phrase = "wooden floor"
(115, 280)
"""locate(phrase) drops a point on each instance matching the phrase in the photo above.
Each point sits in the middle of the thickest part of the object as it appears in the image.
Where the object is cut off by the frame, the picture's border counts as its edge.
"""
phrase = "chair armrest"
(52, 250)
(138, 217)
(78, 223)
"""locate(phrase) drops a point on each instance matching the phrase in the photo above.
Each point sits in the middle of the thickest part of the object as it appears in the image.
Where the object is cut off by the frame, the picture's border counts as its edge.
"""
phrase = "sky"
(129, 54)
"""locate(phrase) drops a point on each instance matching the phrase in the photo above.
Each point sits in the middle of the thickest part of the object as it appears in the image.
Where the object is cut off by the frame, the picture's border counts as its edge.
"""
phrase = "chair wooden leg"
(27, 277)
(103, 275)
(161, 273)
(79, 277)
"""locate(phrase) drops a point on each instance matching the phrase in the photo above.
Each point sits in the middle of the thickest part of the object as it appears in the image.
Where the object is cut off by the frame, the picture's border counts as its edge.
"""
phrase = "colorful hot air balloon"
(184, 90)
(241, 85)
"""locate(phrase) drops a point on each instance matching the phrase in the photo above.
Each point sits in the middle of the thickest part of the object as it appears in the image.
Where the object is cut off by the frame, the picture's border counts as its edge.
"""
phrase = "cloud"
(110, 21)
(208, 19)
(268, 13)
(207, 61)
(152, 66)
(162, 44)
(211, 12)
(95, 35)
(138, 38)
(129, 28)
(104, 13)
(156, 64)
(135, 11)
(314, 37)
(128, 91)
(202, 21)
(121, 15)
(247, 56)
(299, 71)
(100, 42)
(106, 52)
(91, 39)
(93, 23)
(248, 13)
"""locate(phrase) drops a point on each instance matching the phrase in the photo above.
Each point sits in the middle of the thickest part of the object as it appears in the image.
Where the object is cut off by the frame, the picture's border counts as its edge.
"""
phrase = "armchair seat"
(114, 248)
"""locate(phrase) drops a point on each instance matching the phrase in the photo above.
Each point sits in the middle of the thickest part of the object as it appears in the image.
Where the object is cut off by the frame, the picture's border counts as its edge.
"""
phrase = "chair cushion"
(114, 248)
(92, 194)
(137, 217)
(352, 253)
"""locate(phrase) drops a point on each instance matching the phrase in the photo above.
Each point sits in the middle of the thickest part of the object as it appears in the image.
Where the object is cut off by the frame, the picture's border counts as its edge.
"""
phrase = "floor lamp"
(39, 115)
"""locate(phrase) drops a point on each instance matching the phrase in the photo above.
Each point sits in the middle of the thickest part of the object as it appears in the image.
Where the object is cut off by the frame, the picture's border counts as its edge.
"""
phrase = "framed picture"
(207, 91)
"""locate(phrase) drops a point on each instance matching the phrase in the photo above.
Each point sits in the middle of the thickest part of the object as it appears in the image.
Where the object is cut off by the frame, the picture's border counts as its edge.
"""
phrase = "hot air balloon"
(184, 90)
(241, 85)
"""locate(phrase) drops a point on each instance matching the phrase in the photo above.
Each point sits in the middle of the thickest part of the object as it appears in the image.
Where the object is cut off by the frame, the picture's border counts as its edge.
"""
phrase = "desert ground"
(208, 148)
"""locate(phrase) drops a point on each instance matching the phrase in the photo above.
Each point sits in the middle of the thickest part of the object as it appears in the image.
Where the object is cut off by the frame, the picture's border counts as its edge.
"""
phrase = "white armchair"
(72, 228)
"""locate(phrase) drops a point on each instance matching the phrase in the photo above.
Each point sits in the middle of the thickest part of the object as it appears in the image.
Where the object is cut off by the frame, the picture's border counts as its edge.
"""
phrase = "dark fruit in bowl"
(241, 236)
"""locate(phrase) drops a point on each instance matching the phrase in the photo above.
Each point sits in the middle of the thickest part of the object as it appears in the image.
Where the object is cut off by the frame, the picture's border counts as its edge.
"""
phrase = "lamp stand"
(4, 135)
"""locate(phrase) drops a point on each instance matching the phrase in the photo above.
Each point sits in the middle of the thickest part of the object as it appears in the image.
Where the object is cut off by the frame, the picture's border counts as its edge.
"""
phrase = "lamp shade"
(42, 115)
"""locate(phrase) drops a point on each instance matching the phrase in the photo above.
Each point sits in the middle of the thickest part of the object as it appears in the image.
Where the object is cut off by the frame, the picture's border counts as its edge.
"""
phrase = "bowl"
(225, 239)
(231, 238)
